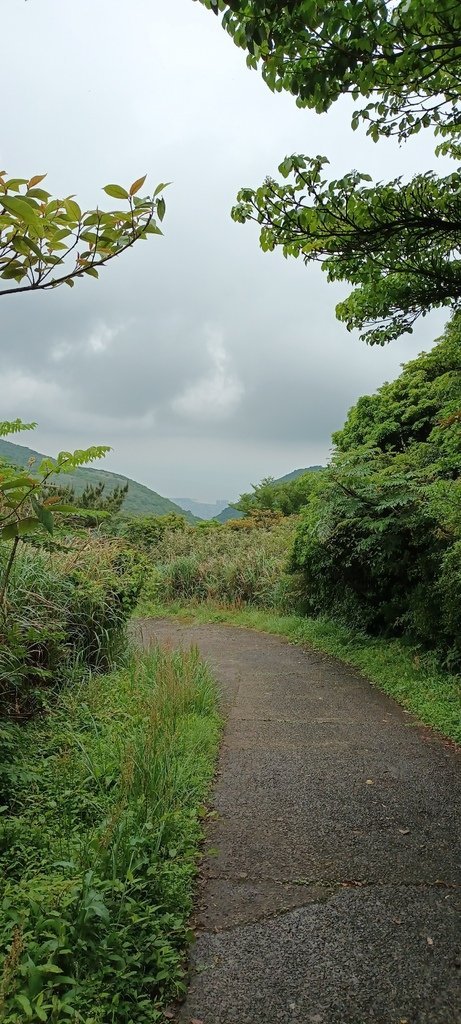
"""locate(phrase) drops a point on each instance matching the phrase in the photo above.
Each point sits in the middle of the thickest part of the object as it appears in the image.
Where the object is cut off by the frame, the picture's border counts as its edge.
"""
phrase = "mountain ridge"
(202, 509)
(233, 513)
(140, 500)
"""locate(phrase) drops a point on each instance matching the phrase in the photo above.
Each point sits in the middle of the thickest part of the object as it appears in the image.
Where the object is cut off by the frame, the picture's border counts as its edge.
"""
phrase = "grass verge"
(411, 678)
(101, 823)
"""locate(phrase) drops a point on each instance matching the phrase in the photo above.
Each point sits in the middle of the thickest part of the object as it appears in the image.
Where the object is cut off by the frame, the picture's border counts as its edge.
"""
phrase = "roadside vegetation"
(101, 820)
(106, 756)
(362, 559)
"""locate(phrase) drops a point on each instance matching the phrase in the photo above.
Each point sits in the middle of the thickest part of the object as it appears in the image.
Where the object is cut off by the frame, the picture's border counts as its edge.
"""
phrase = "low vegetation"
(240, 563)
(105, 761)
(66, 614)
(101, 818)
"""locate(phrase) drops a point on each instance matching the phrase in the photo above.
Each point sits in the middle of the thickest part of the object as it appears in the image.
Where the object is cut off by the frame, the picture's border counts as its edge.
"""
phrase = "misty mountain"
(140, 500)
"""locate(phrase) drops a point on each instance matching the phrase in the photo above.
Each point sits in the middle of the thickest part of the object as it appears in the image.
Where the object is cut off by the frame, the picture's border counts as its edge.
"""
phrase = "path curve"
(333, 898)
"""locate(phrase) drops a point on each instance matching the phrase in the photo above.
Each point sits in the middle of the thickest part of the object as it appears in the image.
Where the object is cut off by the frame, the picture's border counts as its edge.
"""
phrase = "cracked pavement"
(330, 890)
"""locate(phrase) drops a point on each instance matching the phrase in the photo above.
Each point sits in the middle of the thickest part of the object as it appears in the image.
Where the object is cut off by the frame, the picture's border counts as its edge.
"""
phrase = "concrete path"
(333, 898)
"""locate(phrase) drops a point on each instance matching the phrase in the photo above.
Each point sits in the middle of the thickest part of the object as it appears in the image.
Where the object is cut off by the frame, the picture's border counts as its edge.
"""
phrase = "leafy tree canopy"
(94, 501)
(406, 56)
(397, 243)
(286, 498)
(418, 413)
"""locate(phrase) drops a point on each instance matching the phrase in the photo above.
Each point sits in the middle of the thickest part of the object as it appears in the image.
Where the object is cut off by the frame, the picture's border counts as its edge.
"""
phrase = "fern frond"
(14, 427)
(66, 462)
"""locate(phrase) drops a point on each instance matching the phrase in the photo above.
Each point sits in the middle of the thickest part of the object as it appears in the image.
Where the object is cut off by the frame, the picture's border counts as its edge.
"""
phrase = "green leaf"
(9, 532)
(43, 514)
(28, 525)
(25, 1004)
(19, 208)
(69, 510)
(19, 481)
(116, 191)
(14, 427)
(161, 207)
(14, 184)
(72, 209)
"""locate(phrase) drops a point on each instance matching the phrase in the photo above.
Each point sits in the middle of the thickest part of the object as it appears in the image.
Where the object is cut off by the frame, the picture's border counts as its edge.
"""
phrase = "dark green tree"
(379, 544)
(417, 414)
(93, 499)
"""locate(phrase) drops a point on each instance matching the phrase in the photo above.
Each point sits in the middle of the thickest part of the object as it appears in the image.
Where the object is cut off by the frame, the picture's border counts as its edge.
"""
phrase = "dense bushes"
(98, 844)
(101, 794)
(64, 611)
(379, 546)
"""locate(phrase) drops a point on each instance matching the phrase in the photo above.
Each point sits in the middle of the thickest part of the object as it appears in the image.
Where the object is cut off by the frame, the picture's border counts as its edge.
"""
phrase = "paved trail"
(333, 897)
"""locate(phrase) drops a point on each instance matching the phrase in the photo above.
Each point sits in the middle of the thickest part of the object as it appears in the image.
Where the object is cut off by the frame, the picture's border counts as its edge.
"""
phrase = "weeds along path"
(332, 896)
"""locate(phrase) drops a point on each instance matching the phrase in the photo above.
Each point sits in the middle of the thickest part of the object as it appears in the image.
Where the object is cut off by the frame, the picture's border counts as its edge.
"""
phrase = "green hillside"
(140, 500)
(228, 513)
(296, 472)
(233, 513)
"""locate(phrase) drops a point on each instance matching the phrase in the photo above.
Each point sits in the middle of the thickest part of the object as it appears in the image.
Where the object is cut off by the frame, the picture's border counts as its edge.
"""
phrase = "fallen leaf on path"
(168, 1014)
(195, 1020)
(404, 831)
(429, 941)
(370, 782)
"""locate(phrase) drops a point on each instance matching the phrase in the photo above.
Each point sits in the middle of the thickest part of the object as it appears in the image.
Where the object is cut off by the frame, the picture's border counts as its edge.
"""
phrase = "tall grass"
(235, 566)
(104, 800)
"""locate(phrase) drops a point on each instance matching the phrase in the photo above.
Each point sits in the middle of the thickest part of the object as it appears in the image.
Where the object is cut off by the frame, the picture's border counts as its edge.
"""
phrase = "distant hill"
(232, 513)
(140, 500)
(228, 513)
(297, 472)
(202, 509)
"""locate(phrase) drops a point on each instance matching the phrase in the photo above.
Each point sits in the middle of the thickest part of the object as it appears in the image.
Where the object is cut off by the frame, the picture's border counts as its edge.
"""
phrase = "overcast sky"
(204, 363)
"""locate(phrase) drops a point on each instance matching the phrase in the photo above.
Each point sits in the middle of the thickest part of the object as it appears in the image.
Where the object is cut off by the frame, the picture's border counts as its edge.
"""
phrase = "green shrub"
(146, 532)
(63, 609)
(375, 552)
(448, 593)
